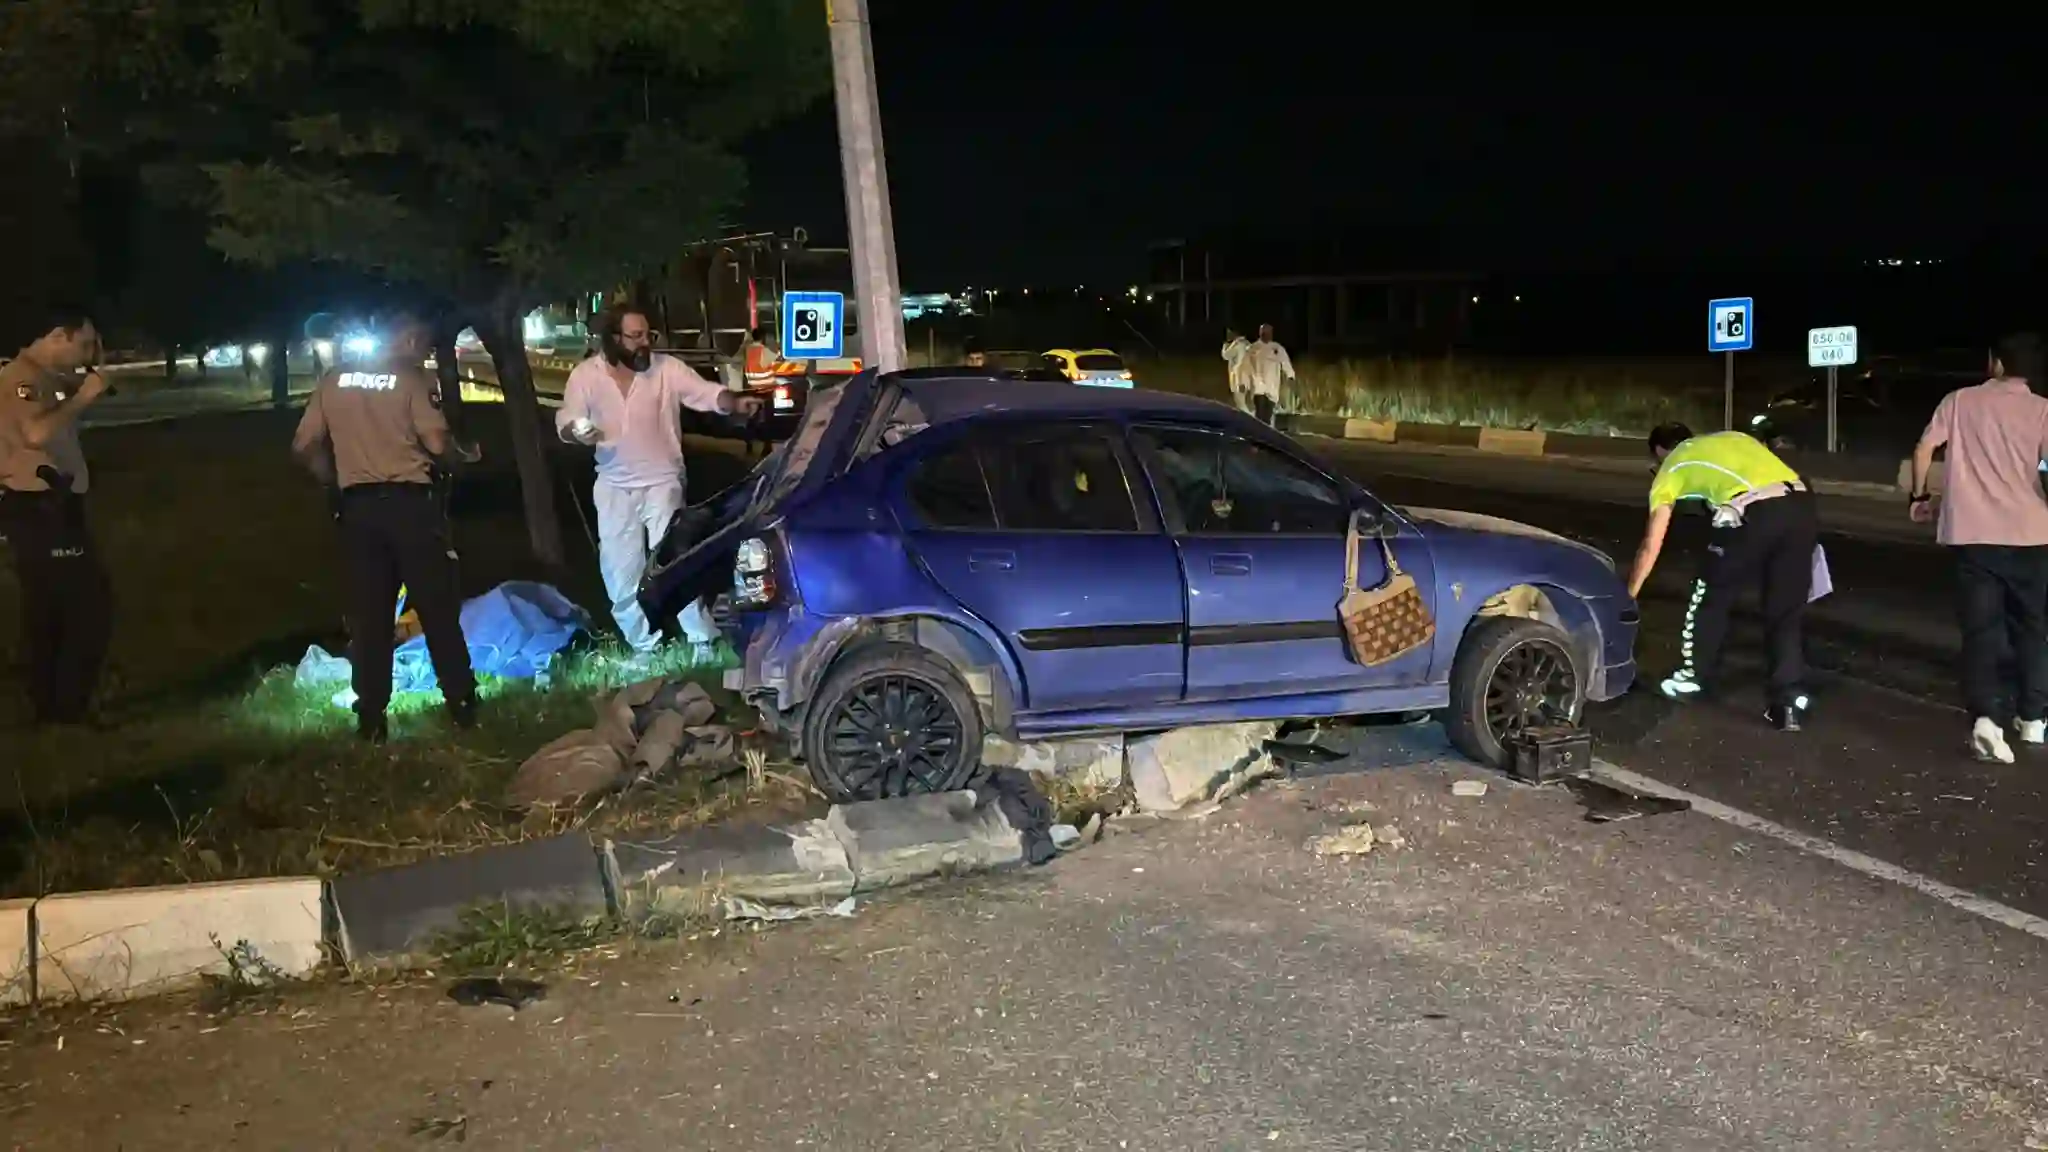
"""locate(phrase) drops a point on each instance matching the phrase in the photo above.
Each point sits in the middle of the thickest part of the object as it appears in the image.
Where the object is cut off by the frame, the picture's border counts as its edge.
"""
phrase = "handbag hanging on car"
(1383, 623)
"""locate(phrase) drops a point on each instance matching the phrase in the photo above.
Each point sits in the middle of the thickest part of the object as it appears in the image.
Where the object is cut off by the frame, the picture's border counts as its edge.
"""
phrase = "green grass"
(225, 569)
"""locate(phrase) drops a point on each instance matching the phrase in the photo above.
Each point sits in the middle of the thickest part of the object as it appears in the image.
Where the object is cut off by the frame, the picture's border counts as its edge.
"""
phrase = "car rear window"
(1099, 362)
(1040, 480)
(947, 490)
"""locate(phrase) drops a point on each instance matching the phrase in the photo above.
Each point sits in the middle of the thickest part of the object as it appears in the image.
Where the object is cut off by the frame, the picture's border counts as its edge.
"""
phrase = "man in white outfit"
(1234, 348)
(627, 403)
(1265, 366)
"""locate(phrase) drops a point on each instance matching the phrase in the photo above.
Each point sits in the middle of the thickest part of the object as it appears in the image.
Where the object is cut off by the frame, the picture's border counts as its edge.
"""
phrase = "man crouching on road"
(627, 404)
(1765, 529)
(1995, 522)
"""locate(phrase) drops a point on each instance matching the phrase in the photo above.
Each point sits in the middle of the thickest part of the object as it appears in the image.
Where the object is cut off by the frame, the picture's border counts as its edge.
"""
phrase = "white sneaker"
(1987, 742)
(2033, 733)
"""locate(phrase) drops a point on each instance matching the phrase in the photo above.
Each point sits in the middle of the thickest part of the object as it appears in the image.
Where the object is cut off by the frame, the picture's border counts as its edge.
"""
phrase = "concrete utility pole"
(878, 295)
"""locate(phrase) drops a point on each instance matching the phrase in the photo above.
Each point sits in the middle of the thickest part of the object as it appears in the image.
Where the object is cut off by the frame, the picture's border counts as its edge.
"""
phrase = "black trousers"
(1772, 546)
(2002, 598)
(397, 534)
(1262, 407)
(66, 600)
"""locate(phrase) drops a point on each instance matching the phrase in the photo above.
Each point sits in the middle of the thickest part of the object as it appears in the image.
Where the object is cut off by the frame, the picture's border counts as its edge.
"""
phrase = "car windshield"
(1099, 362)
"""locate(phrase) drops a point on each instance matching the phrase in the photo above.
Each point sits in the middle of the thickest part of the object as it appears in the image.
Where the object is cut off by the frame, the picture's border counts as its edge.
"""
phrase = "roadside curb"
(1856, 477)
(130, 943)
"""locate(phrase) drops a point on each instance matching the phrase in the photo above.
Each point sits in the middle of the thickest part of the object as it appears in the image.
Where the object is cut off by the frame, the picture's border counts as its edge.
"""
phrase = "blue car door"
(1038, 529)
(1261, 535)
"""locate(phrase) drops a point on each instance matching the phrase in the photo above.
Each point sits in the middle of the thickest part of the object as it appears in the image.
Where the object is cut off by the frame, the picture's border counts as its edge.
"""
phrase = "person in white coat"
(1234, 348)
(1266, 367)
(627, 404)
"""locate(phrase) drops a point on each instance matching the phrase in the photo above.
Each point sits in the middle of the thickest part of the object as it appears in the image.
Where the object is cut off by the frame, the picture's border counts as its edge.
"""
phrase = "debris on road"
(1065, 836)
(1357, 840)
(1295, 756)
(740, 908)
(1606, 803)
(512, 992)
(1469, 788)
(1354, 840)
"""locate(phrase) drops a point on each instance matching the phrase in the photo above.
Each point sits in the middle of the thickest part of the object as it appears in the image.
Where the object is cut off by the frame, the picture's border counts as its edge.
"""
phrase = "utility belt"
(1730, 515)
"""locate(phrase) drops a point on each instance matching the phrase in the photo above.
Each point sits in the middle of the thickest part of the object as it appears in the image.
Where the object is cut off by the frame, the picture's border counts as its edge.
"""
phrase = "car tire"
(1473, 726)
(891, 691)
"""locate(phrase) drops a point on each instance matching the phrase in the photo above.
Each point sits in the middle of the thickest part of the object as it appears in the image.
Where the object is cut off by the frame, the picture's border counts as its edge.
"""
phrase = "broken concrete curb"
(891, 842)
(787, 864)
(1173, 769)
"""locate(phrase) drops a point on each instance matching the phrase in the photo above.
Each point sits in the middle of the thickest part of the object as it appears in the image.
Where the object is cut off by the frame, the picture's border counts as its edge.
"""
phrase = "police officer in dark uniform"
(375, 431)
(66, 605)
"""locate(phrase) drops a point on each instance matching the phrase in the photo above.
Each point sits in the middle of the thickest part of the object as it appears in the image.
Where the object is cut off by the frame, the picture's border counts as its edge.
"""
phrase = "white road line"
(1848, 858)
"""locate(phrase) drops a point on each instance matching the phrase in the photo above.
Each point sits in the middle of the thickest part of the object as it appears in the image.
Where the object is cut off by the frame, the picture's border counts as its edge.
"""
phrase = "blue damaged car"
(938, 555)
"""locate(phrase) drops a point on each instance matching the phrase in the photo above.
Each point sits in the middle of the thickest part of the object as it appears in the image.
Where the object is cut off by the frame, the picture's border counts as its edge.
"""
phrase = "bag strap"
(1351, 554)
(1351, 542)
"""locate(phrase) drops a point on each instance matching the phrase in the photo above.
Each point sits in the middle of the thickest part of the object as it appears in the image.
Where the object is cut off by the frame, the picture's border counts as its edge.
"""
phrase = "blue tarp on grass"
(514, 631)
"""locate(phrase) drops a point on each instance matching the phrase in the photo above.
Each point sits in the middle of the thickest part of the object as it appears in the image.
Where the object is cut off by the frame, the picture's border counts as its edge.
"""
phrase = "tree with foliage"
(495, 154)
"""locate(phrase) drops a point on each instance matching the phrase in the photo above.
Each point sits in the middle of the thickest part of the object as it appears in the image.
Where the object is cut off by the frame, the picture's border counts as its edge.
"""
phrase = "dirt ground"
(1515, 977)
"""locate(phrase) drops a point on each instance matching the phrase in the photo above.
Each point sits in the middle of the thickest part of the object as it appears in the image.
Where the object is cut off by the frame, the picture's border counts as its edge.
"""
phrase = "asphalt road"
(1514, 978)
(1881, 767)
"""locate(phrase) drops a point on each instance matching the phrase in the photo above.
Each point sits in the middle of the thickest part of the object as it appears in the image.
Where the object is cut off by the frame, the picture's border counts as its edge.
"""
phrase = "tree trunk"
(449, 371)
(504, 340)
(280, 366)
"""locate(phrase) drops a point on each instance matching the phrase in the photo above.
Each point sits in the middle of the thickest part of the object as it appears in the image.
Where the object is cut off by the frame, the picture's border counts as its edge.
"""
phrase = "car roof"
(1080, 352)
(946, 398)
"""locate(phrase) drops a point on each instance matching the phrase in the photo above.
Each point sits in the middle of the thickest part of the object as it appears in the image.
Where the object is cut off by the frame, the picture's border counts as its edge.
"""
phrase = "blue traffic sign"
(812, 325)
(1729, 324)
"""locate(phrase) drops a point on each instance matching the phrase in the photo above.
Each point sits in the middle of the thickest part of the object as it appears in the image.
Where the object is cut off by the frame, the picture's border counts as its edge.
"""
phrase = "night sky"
(1051, 141)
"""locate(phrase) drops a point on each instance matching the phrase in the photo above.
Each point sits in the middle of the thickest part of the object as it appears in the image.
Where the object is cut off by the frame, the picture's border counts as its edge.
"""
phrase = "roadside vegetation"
(214, 765)
(1591, 396)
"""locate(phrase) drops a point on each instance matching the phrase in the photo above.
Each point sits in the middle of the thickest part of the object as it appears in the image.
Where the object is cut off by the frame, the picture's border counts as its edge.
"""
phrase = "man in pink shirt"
(627, 404)
(1995, 519)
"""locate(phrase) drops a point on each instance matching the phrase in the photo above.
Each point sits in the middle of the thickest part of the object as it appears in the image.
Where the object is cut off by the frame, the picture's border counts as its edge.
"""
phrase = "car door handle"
(991, 561)
(1230, 564)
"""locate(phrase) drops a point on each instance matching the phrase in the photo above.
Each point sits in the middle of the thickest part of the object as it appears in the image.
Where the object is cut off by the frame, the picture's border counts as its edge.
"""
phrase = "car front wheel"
(1512, 674)
(891, 720)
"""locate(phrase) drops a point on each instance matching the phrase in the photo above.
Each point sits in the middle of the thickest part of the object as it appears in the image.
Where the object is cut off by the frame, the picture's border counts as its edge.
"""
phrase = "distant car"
(1881, 407)
(935, 557)
(1098, 366)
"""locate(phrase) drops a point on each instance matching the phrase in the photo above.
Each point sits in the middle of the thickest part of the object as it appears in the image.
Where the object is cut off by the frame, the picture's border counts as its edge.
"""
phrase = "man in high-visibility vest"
(761, 359)
(1765, 531)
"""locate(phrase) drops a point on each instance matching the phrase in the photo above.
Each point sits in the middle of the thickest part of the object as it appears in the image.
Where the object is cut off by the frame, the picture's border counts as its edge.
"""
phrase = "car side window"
(948, 490)
(1218, 485)
(1058, 479)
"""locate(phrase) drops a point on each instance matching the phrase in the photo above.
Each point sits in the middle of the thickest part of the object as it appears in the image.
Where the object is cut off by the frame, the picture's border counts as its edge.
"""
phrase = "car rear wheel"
(1511, 674)
(891, 720)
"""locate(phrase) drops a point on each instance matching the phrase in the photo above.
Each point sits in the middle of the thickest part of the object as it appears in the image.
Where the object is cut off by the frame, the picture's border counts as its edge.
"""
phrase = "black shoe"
(373, 729)
(1787, 717)
(463, 712)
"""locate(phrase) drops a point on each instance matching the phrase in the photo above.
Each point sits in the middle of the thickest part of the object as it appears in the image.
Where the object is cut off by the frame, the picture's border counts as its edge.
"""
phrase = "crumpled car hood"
(1475, 522)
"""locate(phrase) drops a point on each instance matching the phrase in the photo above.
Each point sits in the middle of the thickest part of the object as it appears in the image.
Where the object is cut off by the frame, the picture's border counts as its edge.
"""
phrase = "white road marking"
(1848, 858)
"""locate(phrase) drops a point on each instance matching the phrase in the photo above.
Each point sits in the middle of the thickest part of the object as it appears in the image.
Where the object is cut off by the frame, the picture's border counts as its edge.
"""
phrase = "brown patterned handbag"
(1386, 622)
